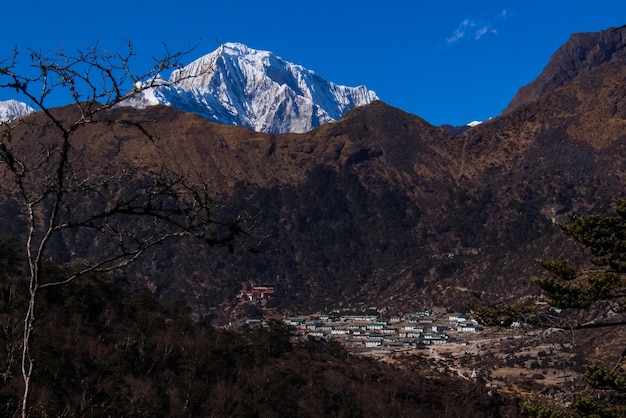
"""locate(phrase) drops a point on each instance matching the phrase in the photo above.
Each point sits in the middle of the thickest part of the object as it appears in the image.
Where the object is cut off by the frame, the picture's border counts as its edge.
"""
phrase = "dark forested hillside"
(105, 347)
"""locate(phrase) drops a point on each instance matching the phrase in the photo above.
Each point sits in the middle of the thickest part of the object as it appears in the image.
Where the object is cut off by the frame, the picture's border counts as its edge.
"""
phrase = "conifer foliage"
(592, 296)
(605, 280)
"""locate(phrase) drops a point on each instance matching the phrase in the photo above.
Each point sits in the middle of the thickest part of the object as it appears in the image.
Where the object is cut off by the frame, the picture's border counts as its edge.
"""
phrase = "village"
(370, 329)
(373, 331)
(434, 337)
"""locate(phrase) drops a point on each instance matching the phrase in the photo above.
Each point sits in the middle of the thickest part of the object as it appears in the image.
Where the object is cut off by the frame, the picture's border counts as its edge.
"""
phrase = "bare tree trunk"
(29, 317)
(27, 360)
(55, 189)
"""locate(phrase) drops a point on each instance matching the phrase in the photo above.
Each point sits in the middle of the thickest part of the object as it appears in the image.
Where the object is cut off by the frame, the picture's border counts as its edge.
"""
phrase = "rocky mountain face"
(380, 207)
(238, 85)
(583, 52)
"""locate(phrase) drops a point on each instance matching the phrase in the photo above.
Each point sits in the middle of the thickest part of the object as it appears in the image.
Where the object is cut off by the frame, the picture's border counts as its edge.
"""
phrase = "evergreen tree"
(598, 291)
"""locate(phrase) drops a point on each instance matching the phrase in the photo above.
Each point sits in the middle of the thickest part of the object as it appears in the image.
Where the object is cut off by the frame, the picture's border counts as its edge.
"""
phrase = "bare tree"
(45, 167)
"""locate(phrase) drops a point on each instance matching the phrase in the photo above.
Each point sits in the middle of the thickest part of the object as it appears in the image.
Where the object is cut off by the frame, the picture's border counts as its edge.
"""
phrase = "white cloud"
(475, 29)
(480, 32)
(460, 31)
(455, 37)
(483, 31)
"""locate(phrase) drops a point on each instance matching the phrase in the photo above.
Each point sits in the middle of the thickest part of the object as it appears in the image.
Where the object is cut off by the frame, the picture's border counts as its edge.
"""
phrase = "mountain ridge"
(583, 52)
(242, 86)
(379, 207)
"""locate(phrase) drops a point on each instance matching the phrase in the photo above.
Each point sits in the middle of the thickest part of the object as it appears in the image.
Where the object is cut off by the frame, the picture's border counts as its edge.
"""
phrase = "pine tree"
(598, 290)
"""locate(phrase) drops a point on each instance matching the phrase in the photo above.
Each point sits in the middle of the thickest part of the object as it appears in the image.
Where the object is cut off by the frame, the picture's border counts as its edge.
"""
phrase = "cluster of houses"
(252, 293)
(373, 331)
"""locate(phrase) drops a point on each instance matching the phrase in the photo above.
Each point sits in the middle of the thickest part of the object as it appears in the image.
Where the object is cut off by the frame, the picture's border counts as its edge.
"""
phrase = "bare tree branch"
(59, 193)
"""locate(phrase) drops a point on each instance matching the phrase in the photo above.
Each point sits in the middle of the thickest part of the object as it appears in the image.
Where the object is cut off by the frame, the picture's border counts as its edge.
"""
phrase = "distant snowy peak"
(239, 85)
(474, 123)
(12, 109)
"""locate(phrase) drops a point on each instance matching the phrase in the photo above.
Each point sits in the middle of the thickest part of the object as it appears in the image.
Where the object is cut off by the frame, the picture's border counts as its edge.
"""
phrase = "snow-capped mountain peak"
(239, 85)
(12, 109)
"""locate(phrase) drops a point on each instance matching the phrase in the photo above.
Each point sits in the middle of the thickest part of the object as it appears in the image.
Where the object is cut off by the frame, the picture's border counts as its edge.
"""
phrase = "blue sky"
(447, 61)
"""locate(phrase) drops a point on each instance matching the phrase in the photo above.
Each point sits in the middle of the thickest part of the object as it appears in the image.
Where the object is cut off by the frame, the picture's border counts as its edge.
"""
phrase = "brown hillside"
(580, 127)
(379, 207)
(583, 52)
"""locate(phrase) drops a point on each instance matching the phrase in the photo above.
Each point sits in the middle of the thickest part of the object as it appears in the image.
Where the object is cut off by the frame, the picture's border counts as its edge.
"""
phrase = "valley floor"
(546, 364)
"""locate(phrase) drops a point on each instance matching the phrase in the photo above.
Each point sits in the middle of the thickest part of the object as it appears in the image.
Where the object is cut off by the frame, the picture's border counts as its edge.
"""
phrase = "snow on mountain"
(474, 123)
(239, 85)
(12, 109)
